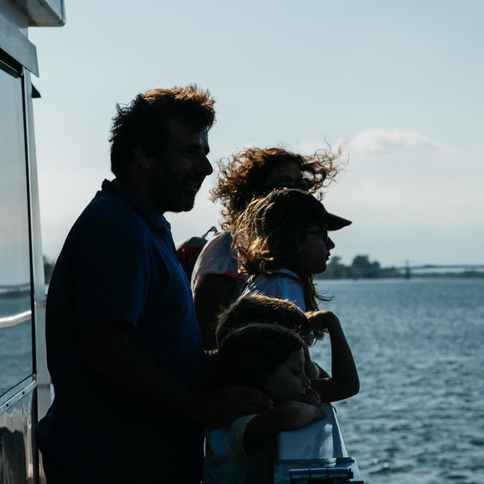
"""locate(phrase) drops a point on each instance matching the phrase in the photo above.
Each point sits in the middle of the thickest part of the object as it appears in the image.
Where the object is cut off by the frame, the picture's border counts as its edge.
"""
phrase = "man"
(123, 345)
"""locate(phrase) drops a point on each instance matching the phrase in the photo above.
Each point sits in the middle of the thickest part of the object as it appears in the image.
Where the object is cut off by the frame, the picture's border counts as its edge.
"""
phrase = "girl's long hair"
(269, 235)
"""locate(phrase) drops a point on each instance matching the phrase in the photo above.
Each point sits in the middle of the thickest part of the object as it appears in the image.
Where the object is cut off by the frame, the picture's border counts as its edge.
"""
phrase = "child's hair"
(256, 308)
(249, 355)
(270, 232)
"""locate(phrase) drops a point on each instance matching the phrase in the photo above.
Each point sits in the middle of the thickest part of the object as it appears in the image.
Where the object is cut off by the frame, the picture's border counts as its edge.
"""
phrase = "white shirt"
(219, 257)
(226, 461)
(283, 285)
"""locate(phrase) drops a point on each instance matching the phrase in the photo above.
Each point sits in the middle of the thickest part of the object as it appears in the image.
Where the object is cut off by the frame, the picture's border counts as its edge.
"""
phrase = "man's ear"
(143, 159)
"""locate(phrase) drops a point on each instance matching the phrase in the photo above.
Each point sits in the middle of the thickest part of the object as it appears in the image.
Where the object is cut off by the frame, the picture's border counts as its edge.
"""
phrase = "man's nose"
(205, 167)
(331, 244)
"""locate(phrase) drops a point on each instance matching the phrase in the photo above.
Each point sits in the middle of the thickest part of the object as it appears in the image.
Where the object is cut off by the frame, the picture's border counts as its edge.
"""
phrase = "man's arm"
(112, 359)
(211, 295)
(286, 416)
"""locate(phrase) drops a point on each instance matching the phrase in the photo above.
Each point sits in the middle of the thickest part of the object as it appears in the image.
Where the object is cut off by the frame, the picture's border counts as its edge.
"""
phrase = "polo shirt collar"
(157, 223)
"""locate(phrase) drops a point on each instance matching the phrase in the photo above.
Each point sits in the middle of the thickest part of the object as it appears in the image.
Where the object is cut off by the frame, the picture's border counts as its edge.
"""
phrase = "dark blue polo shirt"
(119, 264)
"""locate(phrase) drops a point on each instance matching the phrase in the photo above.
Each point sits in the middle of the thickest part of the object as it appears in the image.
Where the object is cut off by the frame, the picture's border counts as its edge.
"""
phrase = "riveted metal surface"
(16, 446)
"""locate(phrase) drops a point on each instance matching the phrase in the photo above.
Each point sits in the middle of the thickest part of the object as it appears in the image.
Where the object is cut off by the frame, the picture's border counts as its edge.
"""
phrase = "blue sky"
(399, 83)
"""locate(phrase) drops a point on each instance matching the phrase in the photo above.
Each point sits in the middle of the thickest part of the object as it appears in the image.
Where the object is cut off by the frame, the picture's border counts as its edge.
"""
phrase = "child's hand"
(285, 416)
(312, 397)
(294, 415)
(322, 322)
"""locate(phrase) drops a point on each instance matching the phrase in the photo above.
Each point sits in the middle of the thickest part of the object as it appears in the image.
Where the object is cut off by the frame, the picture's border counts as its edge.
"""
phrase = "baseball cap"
(289, 204)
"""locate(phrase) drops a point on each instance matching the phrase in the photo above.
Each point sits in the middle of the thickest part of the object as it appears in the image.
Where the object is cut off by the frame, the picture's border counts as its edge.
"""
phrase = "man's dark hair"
(249, 355)
(141, 124)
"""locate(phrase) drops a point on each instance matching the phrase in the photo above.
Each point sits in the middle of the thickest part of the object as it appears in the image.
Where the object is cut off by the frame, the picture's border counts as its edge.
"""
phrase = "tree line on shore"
(363, 268)
(360, 268)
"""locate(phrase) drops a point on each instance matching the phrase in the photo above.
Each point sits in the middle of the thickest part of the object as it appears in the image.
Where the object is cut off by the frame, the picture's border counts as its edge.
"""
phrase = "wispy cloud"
(396, 142)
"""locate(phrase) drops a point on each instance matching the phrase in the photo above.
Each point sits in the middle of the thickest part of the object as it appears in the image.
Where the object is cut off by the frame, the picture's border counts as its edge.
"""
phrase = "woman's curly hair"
(242, 177)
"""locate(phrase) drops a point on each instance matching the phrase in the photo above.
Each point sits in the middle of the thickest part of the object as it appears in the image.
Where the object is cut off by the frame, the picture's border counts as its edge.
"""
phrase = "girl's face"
(315, 249)
(289, 382)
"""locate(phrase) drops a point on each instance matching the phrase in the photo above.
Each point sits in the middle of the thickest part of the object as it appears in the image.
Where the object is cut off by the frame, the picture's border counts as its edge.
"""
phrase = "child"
(311, 326)
(282, 240)
(270, 358)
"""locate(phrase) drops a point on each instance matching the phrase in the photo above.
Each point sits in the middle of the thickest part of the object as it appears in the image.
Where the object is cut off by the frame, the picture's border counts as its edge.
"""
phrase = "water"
(15, 341)
(419, 416)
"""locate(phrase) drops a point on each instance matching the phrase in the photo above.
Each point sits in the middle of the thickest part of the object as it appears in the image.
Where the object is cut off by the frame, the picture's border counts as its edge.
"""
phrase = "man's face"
(180, 169)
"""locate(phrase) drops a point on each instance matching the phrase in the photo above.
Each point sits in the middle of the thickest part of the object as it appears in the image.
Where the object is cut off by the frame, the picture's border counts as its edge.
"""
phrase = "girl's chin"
(320, 269)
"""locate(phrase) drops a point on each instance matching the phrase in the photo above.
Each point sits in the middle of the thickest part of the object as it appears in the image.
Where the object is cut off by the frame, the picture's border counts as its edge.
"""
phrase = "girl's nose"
(306, 381)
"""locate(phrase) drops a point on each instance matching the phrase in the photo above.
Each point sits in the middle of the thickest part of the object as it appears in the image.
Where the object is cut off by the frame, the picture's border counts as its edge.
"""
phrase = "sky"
(399, 85)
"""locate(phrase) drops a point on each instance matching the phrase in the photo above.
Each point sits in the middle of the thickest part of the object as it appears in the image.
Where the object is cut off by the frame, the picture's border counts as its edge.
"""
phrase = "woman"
(250, 173)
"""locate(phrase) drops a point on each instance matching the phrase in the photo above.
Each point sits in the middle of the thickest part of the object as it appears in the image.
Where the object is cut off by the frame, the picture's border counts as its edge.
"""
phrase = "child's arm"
(312, 369)
(286, 416)
(344, 382)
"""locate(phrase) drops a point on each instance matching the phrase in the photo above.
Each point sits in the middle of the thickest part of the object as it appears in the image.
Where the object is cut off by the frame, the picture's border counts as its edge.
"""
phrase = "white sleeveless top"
(283, 285)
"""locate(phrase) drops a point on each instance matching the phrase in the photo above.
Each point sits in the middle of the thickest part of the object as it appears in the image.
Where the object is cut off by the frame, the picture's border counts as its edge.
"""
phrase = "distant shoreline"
(447, 275)
(364, 268)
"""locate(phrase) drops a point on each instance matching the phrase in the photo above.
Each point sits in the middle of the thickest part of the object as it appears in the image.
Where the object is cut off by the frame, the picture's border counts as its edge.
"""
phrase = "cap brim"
(334, 222)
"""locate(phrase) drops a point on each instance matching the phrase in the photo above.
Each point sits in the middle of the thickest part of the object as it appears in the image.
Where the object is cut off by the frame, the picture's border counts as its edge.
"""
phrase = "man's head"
(159, 145)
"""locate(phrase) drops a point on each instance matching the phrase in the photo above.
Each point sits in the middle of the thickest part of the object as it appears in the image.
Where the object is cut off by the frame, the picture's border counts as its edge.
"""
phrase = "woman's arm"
(286, 416)
(211, 295)
(344, 381)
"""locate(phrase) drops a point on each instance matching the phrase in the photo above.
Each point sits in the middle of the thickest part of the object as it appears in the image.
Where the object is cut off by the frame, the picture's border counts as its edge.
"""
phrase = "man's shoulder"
(107, 212)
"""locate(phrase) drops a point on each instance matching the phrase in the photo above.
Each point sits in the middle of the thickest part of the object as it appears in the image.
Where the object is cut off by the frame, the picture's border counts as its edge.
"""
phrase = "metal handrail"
(8, 321)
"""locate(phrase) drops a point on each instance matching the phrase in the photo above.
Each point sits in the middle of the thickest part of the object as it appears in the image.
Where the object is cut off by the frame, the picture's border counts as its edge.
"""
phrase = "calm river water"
(418, 345)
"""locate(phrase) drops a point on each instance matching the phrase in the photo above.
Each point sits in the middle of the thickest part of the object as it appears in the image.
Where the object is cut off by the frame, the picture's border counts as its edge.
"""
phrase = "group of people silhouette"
(157, 379)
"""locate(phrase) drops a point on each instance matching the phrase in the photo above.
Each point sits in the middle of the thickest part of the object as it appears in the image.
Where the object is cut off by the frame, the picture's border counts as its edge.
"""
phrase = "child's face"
(289, 382)
(315, 250)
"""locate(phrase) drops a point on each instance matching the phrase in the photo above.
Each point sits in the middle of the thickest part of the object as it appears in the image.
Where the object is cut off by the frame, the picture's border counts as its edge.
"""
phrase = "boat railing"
(315, 453)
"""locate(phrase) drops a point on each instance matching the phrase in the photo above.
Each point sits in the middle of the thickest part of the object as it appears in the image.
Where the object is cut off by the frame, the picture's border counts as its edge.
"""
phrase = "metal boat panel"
(17, 46)
(44, 399)
(22, 289)
(17, 463)
(46, 13)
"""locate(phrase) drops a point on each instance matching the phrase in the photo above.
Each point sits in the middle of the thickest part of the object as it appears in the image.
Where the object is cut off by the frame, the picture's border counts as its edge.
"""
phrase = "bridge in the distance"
(408, 268)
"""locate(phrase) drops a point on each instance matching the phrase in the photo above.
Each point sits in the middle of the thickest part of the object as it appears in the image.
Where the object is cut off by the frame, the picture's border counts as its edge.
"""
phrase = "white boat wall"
(24, 380)
(315, 453)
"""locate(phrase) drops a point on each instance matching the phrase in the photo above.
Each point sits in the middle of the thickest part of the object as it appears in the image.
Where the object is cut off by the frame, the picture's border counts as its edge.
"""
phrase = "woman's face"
(315, 249)
(289, 382)
(286, 174)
